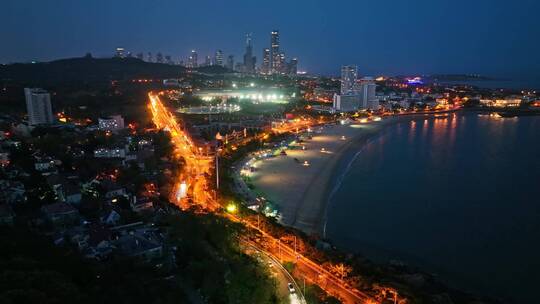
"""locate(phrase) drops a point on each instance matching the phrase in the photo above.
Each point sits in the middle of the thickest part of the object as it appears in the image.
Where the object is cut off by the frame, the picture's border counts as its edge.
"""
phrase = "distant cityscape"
(274, 61)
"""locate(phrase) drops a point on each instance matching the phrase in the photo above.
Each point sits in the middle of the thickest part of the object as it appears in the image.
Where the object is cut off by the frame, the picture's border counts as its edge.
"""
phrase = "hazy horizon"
(391, 38)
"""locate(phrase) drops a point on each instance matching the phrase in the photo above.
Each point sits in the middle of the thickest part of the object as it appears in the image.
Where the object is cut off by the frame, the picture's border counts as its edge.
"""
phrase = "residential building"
(218, 58)
(38, 105)
(192, 60)
(110, 153)
(293, 67)
(346, 103)
(112, 123)
(274, 53)
(60, 213)
(139, 245)
(230, 62)
(510, 102)
(349, 74)
(366, 90)
(207, 60)
(266, 63)
(249, 59)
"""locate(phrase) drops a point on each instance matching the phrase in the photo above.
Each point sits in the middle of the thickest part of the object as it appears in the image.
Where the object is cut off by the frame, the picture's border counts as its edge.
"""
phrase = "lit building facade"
(293, 67)
(193, 60)
(113, 123)
(501, 103)
(38, 105)
(230, 62)
(275, 54)
(249, 59)
(366, 90)
(349, 74)
(346, 103)
(265, 67)
(218, 58)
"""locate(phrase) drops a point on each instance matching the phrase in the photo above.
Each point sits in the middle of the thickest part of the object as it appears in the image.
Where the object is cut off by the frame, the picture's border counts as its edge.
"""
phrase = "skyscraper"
(293, 67)
(282, 64)
(207, 60)
(38, 105)
(192, 60)
(230, 62)
(275, 55)
(249, 59)
(266, 63)
(349, 74)
(218, 58)
(366, 90)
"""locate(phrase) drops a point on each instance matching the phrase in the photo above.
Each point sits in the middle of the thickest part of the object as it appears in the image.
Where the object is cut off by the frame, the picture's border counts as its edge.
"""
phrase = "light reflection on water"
(457, 195)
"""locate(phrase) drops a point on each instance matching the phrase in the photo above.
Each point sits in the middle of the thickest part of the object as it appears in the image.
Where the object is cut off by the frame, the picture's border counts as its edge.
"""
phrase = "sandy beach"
(301, 191)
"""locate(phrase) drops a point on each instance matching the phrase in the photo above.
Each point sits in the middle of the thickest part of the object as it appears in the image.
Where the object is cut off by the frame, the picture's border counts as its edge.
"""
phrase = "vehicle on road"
(291, 287)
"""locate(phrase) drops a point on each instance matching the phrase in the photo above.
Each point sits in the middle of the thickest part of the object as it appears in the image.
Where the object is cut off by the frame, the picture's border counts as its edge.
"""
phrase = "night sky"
(491, 37)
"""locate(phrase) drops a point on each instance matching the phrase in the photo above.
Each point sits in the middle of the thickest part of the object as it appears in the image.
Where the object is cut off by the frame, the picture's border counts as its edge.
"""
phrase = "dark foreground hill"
(92, 70)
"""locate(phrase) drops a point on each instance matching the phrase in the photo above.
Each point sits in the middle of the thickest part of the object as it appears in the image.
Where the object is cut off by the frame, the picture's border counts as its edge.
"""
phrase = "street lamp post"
(295, 255)
(217, 171)
(279, 248)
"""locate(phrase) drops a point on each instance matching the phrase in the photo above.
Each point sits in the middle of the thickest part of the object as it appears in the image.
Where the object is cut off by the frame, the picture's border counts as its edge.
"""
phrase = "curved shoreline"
(304, 194)
(342, 168)
(301, 193)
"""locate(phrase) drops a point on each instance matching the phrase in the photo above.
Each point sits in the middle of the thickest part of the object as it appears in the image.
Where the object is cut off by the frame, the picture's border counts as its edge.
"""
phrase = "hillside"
(91, 70)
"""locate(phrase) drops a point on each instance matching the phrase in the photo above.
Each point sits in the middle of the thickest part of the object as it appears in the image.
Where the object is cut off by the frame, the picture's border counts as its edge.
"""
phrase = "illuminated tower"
(274, 53)
(218, 58)
(38, 105)
(192, 60)
(249, 59)
(349, 74)
(230, 62)
(265, 67)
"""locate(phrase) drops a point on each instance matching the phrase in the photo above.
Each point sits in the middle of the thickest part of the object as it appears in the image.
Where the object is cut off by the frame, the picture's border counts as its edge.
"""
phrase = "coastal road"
(195, 179)
(280, 273)
(309, 270)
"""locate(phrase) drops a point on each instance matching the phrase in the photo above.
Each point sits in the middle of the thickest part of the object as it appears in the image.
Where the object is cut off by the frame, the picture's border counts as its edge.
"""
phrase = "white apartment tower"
(349, 74)
(38, 105)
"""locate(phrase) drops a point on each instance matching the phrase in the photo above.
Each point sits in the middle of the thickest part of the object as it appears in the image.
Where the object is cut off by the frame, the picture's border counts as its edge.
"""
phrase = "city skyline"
(398, 38)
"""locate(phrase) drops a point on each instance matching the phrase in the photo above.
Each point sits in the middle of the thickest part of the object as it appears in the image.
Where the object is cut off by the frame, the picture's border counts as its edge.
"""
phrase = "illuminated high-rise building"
(366, 90)
(282, 64)
(192, 60)
(218, 58)
(207, 60)
(249, 59)
(275, 55)
(266, 63)
(349, 74)
(293, 67)
(230, 62)
(38, 105)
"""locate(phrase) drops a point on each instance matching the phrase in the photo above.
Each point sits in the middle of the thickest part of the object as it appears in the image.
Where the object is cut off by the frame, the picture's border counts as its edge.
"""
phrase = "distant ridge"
(92, 70)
